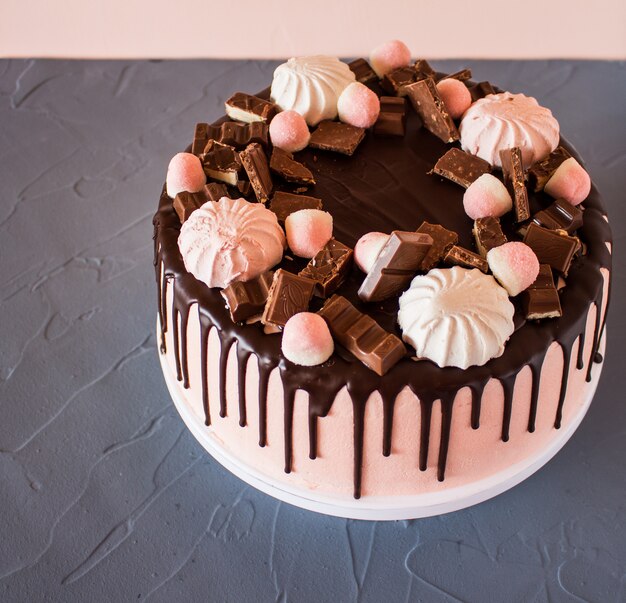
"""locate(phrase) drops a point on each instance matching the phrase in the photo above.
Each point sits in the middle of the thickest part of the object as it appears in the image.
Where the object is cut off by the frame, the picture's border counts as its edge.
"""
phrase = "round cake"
(459, 265)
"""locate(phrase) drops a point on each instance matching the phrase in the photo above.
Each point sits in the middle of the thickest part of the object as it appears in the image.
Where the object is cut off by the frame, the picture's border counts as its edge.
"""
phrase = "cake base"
(376, 507)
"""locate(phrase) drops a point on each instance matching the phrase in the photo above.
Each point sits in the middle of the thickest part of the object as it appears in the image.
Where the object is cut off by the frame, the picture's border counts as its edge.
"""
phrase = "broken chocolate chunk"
(552, 247)
(392, 117)
(185, 203)
(396, 81)
(442, 238)
(541, 299)
(461, 167)
(539, 173)
(513, 172)
(423, 69)
(459, 256)
(248, 299)
(363, 71)
(247, 108)
(336, 136)
(561, 215)
(255, 163)
(431, 108)
(231, 133)
(288, 295)
(329, 267)
(243, 186)
(462, 76)
(396, 265)
(362, 336)
(481, 90)
(221, 162)
(283, 204)
(488, 234)
(283, 164)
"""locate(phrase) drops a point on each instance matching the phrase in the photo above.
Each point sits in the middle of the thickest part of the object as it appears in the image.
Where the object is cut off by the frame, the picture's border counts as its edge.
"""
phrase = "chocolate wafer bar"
(248, 299)
(541, 299)
(288, 295)
(283, 164)
(392, 117)
(283, 204)
(461, 167)
(442, 239)
(247, 108)
(459, 256)
(539, 173)
(232, 133)
(431, 108)
(255, 163)
(488, 234)
(329, 267)
(561, 215)
(336, 136)
(513, 172)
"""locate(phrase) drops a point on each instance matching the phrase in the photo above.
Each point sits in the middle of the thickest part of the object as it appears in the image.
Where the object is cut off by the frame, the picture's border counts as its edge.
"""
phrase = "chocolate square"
(248, 299)
(221, 162)
(488, 234)
(283, 204)
(541, 299)
(283, 164)
(363, 71)
(185, 203)
(392, 117)
(551, 247)
(247, 108)
(288, 295)
(329, 267)
(461, 167)
(539, 173)
(561, 215)
(336, 136)
(442, 238)
(431, 108)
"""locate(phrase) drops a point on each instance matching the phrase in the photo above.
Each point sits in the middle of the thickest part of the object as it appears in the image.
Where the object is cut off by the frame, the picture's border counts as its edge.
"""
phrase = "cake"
(457, 347)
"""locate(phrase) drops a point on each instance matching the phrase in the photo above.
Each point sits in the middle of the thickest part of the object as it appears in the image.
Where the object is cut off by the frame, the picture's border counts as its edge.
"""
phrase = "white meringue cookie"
(230, 240)
(456, 317)
(311, 86)
(502, 121)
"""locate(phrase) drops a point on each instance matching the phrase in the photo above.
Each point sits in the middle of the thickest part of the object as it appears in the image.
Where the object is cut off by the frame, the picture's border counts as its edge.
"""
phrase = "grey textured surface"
(105, 496)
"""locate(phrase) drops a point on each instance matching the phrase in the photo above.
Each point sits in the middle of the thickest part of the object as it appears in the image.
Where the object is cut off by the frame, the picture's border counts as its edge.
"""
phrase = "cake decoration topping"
(232, 133)
(362, 336)
(389, 56)
(307, 340)
(358, 106)
(552, 247)
(363, 71)
(460, 167)
(245, 300)
(396, 81)
(487, 197)
(455, 96)
(231, 240)
(367, 249)
(514, 180)
(283, 164)
(184, 173)
(503, 121)
(514, 265)
(488, 234)
(442, 238)
(308, 230)
(570, 182)
(392, 117)
(255, 163)
(541, 299)
(480, 90)
(284, 203)
(456, 317)
(329, 267)
(221, 162)
(462, 76)
(311, 86)
(185, 203)
(561, 215)
(247, 108)
(459, 256)
(336, 136)
(289, 131)
(539, 173)
(430, 107)
(288, 295)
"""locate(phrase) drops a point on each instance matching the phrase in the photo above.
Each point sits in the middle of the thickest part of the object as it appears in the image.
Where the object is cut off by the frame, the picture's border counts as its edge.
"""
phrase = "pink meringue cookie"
(570, 181)
(230, 240)
(514, 265)
(308, 230)
(455, 95)
(184, 173)
(486, 197)
(307, 340)
(389, 56)
(358, 106)
(288, 131)
(368, 248)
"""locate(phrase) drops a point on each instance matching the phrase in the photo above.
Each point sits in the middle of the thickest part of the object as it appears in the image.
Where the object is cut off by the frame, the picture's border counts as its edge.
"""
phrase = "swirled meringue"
(505, 120)
(456, 317)
(230, 240)
(311, 86)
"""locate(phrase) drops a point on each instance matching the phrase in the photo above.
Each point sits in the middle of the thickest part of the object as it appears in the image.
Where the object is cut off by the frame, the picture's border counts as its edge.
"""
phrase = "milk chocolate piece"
(221, 162)
(561, 215)
(283, 164)
(513, 172)
(338, 137)
(199, 139)
(461, 167)
(361, 335)
(396, 265)
(442, 238)
(552, 247)
(288, 295)
(185, 203)
(396, 81)
(392, 117)
(541, 299)
(232, 133)
(363, 71)
(247, 108)
(481, 90)
(459, 256)
(329, 267)
(284, 203)
(423, 69)
(431, 108)
(539, 173)
(243, 186)
(255, 163)
(488, 234)
(462, 76)
(248, 299)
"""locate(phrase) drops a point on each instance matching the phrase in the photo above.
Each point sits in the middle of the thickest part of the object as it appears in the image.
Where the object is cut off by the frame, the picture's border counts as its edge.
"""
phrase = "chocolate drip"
(535, 372)
(426, 412)
(243, 356)
(580, 353)
(312, 434)
(359, 427)
(477, 393)
(264, 376)
(508, 387)
(205, 329)
(289, 399)
(225, 345)
(447, 403)
(175, 328)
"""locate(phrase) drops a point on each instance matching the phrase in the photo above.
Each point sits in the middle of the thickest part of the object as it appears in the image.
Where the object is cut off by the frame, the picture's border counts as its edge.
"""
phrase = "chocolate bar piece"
(481, 90)
(442, 238)
(541, 299)
(243, 186)
(232, 133)
(283, 204)
(185, 203)
(247, 108)
(488, 234)
(255, 163)
(329, 267)
(288, 295)
(221, 162)
(361, 335)
(335, 136)
(248, 299)
(459, 256)
(392, 117)
(462, 76)
(423, 69)
(363, 71)
(461, 167)
(283, 164)
(200, 138)
(396, 81)
(396, 265)
(561, 215)
(539, 173)
(513, 172)
(551, 247)
(431, 108)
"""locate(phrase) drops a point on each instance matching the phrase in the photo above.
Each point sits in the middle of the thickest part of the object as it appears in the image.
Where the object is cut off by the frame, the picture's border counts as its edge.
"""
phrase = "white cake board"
(377, 507)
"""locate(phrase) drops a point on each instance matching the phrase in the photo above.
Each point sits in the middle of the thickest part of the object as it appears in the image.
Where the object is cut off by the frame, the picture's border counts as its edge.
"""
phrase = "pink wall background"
(281, 28)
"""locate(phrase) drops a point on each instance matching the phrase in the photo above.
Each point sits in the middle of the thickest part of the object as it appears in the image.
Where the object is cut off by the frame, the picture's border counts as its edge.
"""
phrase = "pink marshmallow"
(288, 131)
(514, 265)
(455, 95)
(368, 248)
(358, 106)
(389, 56)
(307, 340)
(184, 173)
(308, 230)
(486, 197)
(570, 182)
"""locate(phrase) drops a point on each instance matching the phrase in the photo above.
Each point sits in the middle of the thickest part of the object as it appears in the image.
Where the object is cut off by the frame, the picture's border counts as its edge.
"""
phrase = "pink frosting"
(570, 182)
(455, 95)
(288, 131)
(514, 265)
(184, 173)
(358, 106)
(486, 197)
(307, 340)
(308, 230)
(389, 56)
(230, 240)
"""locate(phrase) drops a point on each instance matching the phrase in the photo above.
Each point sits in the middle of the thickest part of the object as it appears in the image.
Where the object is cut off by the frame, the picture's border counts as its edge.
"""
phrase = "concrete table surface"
(105, 495)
